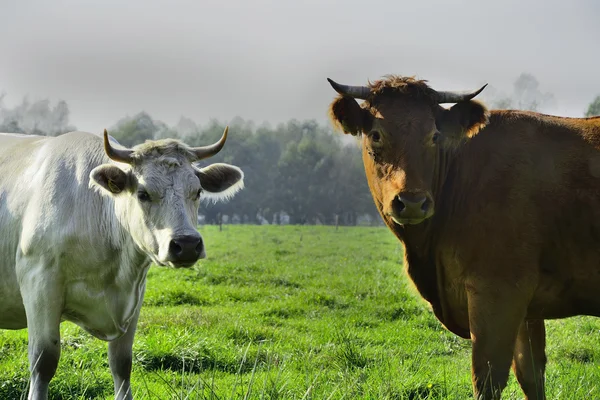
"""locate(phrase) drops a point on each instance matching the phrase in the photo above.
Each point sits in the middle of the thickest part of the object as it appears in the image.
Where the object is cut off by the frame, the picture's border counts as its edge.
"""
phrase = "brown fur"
(468, 118)
(395, 84)
(514, 235)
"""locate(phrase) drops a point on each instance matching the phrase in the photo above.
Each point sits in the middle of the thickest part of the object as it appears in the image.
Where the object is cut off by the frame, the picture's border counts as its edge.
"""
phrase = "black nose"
(186, 249)
(411, 207)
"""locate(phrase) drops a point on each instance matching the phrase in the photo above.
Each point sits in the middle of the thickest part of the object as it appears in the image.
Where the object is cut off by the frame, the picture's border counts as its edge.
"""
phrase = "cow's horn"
(358, 92)
(456, 97)
(120, 155)
(211, 150)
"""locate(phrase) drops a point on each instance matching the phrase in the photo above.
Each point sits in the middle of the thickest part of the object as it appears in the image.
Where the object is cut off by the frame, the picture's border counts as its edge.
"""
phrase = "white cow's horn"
(211, 150)
(120, 155)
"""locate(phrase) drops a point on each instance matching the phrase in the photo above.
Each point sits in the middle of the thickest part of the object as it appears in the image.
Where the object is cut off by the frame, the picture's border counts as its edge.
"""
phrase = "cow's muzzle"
(184, 251)
(411, 208)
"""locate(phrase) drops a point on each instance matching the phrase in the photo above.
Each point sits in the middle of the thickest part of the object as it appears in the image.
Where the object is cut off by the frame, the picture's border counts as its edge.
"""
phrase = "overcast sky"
(267, 60)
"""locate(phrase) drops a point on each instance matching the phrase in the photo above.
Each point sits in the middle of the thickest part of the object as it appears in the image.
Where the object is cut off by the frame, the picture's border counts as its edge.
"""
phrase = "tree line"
(297, 172)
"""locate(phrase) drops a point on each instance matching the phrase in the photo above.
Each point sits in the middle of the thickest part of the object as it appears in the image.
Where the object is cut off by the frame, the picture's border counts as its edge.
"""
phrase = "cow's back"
(45, 183)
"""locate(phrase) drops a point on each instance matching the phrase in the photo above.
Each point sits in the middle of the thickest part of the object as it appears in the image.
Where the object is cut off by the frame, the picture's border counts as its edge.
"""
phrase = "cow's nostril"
(426, 204)
(186, 249)
(399, 206)
(175, 248)
(199, 247)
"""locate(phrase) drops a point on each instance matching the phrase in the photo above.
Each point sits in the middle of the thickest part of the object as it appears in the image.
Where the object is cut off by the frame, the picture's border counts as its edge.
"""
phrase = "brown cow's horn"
(456, 97)
(358, 92)
(120, 155)
(209, 151)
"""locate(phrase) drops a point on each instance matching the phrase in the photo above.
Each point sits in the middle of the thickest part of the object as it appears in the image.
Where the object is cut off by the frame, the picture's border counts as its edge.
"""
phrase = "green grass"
(294, 313)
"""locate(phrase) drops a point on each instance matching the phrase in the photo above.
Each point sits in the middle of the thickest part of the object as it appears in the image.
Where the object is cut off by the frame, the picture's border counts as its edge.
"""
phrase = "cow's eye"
(143, 196)
(375, 136)
(435, 137)
(198, 193)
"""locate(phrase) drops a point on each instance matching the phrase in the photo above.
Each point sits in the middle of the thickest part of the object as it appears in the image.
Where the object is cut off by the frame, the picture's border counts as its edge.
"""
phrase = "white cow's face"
(157, 198)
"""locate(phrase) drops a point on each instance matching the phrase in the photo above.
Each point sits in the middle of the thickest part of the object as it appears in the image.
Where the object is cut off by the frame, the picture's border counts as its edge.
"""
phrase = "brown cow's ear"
(463, 120)
(347, 116)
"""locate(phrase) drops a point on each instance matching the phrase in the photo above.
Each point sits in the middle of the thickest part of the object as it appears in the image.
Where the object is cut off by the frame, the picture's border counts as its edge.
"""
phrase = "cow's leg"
(529, 359)
(120, 360)
(42, 298)
(44, 353)
(496, 312)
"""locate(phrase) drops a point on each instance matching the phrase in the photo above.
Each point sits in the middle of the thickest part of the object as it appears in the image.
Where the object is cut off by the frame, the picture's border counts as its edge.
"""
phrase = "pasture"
(294, 312)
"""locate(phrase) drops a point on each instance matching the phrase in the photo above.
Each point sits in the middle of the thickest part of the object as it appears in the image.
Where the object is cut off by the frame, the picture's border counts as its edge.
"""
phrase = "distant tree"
(296, 171)
(163, 131)
(526, 95)
(503, 103)
(186, 127)
(594, 108)
(10, 125)
(256, 153)
(37, 118)
(130, 131)
(349, 192)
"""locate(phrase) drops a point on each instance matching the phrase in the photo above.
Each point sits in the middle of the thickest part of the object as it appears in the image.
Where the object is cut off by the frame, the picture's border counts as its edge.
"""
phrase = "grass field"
(294, 313)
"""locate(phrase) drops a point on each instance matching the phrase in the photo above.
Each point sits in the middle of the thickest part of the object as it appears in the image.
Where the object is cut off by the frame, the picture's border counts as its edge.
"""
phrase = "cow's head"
(157, 191)
(403, 130)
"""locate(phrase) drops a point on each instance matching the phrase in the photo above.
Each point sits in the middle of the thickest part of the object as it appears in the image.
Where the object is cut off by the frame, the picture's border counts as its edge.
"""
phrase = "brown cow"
(499, 213)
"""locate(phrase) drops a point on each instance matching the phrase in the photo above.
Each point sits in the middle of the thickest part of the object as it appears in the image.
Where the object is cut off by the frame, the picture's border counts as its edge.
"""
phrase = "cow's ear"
(109, 178)
(220, 181)
(347, 115)
(463, 120)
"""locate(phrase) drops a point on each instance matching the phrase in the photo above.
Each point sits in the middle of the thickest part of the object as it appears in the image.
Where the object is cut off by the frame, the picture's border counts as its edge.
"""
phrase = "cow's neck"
(420, 243)
(129, 260)
(420, 239)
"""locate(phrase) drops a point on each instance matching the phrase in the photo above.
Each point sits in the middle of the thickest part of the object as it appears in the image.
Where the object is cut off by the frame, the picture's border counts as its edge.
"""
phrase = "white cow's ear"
(220, 181)
(109, 178)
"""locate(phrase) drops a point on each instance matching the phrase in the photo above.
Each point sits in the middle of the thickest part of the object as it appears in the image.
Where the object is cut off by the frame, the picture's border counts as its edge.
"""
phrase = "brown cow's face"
(401, 139)
(399, 154)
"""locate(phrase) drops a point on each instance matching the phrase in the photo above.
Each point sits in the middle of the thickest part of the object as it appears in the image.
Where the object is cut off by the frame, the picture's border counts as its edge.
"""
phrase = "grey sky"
(267, 60)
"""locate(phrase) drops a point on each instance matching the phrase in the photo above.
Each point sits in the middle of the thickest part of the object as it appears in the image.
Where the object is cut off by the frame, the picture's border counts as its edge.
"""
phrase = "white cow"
(80, 223)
